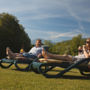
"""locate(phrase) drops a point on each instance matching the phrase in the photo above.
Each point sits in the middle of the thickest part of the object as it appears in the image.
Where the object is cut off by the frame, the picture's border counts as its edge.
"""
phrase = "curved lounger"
(44, 68)
(20, 63)
(6, 63)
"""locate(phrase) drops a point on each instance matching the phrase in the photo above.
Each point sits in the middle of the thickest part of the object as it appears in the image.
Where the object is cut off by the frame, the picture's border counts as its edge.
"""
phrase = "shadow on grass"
(36, 72)
(62, 70)
(63, 77)
(76, 77)
(22, 70)
(69, 77)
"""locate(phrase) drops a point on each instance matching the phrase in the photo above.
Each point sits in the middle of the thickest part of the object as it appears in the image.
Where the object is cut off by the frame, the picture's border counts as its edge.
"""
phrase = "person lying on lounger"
(84, 54)
(35, 52)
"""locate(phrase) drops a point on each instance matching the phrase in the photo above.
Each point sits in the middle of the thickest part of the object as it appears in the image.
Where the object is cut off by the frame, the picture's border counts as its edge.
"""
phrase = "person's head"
(80, 49)
(88, 42)
(38, 43)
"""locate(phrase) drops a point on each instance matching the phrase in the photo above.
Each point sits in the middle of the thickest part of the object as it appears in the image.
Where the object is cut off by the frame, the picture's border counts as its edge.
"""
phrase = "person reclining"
(35, 52)
(85, 54)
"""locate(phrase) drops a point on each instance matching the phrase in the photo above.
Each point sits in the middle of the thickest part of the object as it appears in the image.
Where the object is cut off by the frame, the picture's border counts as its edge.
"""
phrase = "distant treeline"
(66, 47)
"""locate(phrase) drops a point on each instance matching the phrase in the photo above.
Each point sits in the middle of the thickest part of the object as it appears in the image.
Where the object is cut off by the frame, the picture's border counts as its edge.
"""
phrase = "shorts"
(29, 55)
(76, 59)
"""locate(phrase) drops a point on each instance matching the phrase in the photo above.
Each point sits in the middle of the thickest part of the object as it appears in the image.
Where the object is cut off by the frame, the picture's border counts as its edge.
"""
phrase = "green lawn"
(11, 79)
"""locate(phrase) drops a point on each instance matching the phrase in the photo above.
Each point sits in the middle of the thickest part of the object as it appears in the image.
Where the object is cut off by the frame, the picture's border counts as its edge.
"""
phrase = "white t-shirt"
(80, 56)
(36, 50)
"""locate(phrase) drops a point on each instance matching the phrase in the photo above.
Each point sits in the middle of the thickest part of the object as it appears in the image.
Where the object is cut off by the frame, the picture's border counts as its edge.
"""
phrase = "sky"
(54, 20)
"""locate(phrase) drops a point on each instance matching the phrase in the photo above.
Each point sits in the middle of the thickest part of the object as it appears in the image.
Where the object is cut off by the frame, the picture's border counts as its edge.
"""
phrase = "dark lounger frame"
(37, 67)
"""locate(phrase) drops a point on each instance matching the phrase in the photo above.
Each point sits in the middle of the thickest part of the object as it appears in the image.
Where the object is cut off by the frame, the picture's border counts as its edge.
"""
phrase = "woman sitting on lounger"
(85, 54)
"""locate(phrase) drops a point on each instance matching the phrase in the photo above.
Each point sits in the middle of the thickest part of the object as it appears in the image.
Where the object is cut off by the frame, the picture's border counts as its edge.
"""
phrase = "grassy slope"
(11, 79)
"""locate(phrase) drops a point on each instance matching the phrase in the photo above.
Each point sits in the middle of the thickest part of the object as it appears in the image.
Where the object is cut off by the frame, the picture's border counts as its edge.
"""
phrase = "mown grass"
(11, 79)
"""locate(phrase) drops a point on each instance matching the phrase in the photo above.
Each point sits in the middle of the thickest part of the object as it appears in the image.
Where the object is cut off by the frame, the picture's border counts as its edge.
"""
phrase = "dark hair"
(39, 40)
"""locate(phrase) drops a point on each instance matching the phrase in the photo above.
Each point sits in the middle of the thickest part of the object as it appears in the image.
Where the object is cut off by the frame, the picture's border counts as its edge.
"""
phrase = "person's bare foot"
(10, 53)
(7, 50)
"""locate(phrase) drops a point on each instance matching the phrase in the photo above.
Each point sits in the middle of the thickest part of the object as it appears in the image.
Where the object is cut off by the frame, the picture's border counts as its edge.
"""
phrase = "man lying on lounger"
(35, 52)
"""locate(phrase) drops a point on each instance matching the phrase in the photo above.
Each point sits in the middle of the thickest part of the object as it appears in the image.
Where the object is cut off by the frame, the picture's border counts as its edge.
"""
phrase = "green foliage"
(67, 47)
(12, 34)
(49, 44)
(75, 43)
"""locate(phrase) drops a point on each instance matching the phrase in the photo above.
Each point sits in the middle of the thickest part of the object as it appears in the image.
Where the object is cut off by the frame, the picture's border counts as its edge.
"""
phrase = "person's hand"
(84, 47)
(39, 55)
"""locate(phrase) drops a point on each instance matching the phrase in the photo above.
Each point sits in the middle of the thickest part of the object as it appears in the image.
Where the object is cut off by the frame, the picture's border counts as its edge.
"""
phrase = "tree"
(75, 43)
(49, 44)
(12, 34)
(69, 47)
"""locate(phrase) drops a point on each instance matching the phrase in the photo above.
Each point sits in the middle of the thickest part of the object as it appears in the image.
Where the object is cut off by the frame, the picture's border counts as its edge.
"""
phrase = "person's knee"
(68, 57)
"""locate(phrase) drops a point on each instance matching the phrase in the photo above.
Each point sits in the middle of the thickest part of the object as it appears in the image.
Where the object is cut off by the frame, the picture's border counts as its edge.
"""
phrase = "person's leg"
(54, 56)
(11, 54)
(29, 55)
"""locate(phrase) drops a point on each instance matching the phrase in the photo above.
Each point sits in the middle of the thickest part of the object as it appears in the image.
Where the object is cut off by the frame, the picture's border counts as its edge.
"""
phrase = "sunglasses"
(80, 50)
(87, 42)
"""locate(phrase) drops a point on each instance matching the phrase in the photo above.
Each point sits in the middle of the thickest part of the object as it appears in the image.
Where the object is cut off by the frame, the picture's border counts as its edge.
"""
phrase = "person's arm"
(80, 51)
(87, 55)
(39, 55)
(31, 50)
